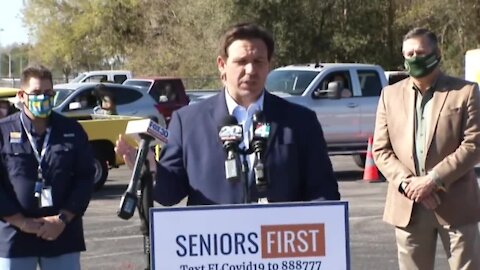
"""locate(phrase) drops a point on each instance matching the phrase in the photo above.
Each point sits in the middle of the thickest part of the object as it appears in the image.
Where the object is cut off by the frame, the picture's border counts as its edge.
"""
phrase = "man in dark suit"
(192, 162)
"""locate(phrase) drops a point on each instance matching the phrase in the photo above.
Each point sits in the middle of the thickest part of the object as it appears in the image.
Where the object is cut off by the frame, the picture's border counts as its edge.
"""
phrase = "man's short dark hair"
(37, 71)
(246, 31)
(422, 32)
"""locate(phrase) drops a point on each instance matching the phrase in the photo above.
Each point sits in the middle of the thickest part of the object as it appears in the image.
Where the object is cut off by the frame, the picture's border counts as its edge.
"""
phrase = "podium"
(307, 235)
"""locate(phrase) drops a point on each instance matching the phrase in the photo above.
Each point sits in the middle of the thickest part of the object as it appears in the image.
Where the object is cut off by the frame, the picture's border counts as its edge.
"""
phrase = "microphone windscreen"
(229, 120)
(230, 130)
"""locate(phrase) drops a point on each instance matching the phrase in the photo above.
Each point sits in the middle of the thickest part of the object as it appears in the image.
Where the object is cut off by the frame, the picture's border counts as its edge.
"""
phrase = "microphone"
(261, 131)
(231, 134)
(147, 127)
(147, 131)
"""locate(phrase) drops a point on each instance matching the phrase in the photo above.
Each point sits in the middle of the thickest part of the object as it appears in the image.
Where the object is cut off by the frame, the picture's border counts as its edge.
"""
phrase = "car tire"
(359, 159)
(101, 171)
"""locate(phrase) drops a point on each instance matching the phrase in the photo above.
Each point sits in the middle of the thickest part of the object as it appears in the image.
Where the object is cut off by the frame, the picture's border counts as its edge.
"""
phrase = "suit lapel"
(218, 109)
(438, 100)
(408, 107)
(271, 113)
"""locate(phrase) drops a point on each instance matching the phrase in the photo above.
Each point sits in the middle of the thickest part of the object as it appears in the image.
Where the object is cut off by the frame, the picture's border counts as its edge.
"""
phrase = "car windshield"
(61, 95)
(293, 82)
(78, 78)
(145, 84)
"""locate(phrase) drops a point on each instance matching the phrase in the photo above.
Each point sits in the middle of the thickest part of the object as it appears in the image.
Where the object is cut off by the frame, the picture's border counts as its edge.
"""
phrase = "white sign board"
(280, 236)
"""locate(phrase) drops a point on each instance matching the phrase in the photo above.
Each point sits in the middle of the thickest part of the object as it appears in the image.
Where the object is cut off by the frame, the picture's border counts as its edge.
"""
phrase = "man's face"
(416, 46)
(246, 68)
(35, 86)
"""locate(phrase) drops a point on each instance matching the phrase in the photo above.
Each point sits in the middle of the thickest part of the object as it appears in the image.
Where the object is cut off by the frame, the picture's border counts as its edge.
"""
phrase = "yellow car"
(102, 134)
(8, 92)
(9, 95)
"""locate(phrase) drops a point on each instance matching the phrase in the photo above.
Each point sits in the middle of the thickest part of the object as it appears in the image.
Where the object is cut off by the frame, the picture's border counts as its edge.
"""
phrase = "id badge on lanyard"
(42, 191)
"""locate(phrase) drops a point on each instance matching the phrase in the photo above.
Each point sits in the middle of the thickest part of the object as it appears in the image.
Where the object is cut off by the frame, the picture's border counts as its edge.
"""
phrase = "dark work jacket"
(67, 167)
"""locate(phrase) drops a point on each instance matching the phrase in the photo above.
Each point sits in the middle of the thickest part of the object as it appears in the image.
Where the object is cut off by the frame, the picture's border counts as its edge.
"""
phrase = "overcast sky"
(11, 27)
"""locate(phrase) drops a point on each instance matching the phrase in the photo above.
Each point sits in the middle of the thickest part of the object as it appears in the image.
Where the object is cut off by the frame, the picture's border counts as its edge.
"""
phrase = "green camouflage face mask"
(421, 66)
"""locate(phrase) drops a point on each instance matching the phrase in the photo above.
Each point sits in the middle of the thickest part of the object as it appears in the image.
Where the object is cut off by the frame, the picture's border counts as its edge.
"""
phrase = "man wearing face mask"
(427, 141)
(46, 180)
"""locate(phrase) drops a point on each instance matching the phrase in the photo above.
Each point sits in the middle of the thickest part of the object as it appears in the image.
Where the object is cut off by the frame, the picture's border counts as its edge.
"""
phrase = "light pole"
(21, 65)
(10, 64)
(1, 30)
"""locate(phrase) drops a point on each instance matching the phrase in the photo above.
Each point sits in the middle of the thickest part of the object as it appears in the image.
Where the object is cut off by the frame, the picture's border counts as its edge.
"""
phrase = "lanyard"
(41, 155)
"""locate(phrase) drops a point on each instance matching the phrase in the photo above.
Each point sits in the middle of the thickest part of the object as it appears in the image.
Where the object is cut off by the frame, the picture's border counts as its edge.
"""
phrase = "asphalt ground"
(113, 243)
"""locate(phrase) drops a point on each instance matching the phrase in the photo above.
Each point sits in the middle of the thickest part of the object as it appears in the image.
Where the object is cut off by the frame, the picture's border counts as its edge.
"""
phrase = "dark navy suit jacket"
(192, 162)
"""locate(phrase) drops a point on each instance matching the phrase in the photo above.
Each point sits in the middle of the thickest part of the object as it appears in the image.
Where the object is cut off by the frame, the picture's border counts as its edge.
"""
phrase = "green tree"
(75, 35)
(166, 37)
(455, 23)
(182, 40)
(327, 31)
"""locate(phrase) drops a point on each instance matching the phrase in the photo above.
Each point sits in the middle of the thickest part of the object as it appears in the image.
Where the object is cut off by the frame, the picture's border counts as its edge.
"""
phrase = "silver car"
(199, 95)
(78, 100)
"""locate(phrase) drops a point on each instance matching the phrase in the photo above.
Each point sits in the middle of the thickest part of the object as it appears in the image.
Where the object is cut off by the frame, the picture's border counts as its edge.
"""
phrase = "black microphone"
(231, 135)
(261, 131)
(148, 131)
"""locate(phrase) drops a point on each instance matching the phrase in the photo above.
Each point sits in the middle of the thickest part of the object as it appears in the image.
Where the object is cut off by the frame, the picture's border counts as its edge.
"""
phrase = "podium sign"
(279, 236)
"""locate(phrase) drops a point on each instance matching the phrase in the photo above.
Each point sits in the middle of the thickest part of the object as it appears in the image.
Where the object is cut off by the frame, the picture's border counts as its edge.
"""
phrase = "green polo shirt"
(423, 112)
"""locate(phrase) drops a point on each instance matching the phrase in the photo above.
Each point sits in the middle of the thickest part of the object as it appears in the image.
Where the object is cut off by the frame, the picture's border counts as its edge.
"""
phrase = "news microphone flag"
(149, 127)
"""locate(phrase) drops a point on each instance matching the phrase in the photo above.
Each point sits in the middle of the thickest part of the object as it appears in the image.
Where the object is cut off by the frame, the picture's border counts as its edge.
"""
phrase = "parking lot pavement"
(113, 243)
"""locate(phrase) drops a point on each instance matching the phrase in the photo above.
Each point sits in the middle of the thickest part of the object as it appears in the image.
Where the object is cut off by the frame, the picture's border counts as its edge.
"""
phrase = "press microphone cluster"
(261, 131)
(147, 131)
(231, 135)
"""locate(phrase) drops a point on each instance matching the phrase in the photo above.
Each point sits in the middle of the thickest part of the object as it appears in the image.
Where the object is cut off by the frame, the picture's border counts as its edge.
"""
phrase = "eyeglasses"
(49, 92)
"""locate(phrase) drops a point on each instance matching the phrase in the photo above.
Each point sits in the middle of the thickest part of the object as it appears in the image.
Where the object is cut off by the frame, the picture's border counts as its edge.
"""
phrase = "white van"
(114, 76)
(472, 68)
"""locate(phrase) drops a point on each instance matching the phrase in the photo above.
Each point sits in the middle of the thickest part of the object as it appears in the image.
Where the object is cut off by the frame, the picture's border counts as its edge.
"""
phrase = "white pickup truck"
(97, 76)
(344, 97)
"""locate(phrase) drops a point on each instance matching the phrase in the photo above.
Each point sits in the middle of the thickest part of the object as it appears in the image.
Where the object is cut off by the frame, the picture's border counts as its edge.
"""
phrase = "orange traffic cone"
(370, 174)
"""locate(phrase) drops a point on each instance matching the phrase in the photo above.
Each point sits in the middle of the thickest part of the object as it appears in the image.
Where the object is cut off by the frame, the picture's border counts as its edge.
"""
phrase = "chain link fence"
(10, 82)
(191, 83)
(201, 83)
(15, 82)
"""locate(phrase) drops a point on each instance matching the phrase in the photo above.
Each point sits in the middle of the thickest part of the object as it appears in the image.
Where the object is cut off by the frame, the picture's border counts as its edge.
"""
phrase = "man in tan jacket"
(427, 141)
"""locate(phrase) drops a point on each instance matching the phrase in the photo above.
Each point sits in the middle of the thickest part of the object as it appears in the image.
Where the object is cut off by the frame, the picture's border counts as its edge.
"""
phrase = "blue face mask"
(40, 105)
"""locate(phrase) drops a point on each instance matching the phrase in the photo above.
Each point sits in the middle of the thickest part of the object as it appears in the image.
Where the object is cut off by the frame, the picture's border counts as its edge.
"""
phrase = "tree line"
(180, 37)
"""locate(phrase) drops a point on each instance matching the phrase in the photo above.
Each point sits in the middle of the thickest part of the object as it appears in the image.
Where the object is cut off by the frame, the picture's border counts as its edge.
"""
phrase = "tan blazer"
(453, 148)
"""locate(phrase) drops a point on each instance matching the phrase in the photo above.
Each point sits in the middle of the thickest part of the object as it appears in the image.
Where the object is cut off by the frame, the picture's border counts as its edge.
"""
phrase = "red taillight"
(161, 109)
